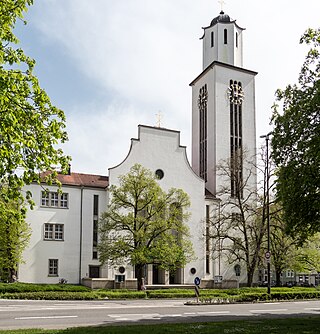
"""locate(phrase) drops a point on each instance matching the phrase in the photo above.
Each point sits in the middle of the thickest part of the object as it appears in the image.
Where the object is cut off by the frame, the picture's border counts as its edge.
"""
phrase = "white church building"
(64, 225)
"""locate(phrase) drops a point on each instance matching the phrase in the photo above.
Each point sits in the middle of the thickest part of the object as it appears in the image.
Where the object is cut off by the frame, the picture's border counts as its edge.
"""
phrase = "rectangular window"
(53, 267)
(225, 36)
(53, 232)
(48, 231)
(44, 198)
(95, 205)
(58, 232)
(290, 273)
(207, 239)
(64, 200)
(95, 226)
(54, 199)
(95, 233)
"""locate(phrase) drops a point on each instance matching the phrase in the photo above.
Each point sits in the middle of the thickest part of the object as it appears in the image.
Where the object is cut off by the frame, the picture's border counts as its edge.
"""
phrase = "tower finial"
(221, 2)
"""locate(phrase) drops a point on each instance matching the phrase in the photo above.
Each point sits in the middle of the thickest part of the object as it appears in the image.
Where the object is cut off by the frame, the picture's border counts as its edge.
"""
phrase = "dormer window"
(225, 36)
(212, 39)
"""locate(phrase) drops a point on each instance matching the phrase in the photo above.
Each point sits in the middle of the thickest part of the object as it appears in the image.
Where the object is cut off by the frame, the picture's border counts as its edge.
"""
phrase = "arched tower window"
(236, 163)
(225, 36)
(212, 39)
(202, 105)
(236, 39)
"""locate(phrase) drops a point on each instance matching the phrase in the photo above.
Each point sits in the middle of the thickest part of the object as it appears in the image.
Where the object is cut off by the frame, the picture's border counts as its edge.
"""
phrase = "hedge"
(76, 292)
(28, 287)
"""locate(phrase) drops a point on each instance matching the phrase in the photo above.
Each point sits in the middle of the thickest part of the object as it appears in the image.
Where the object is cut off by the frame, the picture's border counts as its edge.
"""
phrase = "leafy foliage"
(284, 248)
(14, 235)
(308, 255)
(30, 126)
(296, 145)
(144, 224)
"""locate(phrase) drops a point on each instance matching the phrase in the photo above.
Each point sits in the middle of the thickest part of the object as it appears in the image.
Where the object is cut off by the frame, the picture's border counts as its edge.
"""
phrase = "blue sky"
(111, 65)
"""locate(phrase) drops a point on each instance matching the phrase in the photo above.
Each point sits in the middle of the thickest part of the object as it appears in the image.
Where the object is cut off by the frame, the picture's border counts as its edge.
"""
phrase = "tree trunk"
(278, 278)
(250, 273)
(139, 276)
(249, 279)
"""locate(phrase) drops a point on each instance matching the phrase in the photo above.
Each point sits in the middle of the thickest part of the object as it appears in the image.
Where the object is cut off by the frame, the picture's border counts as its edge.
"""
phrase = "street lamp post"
(268, 210)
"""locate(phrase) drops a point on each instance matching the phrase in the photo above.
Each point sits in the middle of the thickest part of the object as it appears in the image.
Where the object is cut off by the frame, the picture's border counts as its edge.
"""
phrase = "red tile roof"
(84, 180)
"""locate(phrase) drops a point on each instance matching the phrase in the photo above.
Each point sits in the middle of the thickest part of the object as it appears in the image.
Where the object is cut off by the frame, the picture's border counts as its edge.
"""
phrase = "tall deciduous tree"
(144, 224)
(296, 145)
(30, 126)
(284, 249)
(14, 235)
(240, 226)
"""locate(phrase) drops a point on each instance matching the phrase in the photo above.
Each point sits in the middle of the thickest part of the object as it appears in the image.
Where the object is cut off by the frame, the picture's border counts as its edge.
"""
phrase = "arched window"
(236, 39)
(225, 34)
(202, 105)
(212, 39)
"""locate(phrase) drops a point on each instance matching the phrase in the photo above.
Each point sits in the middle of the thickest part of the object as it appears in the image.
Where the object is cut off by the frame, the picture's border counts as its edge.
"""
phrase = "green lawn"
(306, 325)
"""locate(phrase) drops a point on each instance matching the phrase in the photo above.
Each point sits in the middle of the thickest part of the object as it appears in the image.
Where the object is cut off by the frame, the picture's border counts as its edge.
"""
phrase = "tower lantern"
(222, 41)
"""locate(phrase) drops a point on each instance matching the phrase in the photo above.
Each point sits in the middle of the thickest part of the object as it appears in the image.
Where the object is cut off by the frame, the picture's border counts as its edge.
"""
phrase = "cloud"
(142, 54)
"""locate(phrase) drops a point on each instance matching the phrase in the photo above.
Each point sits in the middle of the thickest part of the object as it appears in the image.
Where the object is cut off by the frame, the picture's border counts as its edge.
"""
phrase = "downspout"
(81, 222)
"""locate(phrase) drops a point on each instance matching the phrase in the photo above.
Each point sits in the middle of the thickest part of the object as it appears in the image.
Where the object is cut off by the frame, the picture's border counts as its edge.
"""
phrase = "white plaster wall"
(39, 251)
(218, 118)
(209, 79)
(222, 79)
(225, 53)
(158, 148)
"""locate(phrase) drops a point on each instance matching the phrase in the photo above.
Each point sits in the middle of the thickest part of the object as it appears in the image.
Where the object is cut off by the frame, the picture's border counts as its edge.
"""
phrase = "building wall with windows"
(62, 240)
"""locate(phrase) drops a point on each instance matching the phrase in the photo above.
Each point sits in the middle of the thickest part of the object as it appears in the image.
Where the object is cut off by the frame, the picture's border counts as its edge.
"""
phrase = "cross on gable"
(159, 118)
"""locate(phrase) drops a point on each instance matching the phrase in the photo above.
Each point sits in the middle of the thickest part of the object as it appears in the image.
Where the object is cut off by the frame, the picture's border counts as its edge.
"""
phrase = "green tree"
(144, 224)
(296, 145)
(308, 255)
(31, 128)
(284, 248)
(14, 235)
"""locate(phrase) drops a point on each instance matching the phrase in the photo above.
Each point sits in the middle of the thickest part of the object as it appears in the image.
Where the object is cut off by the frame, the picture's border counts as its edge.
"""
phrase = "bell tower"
(223, 101)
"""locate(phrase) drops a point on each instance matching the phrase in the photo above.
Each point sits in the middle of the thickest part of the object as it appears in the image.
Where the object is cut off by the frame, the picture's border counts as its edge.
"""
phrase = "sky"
(112, 65)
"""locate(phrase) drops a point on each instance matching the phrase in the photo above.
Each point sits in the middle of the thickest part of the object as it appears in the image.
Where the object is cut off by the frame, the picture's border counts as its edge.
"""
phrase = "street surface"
(15, 314)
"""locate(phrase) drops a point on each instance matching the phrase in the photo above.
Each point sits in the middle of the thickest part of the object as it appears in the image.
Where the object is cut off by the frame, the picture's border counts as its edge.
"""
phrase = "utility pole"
(268, 253)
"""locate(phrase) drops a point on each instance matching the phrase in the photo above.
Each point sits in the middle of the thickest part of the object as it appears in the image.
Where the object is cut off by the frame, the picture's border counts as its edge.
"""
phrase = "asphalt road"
(15, 314)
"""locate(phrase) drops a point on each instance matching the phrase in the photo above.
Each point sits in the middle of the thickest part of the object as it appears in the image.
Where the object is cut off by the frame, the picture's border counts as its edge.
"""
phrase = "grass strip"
(303, 325)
